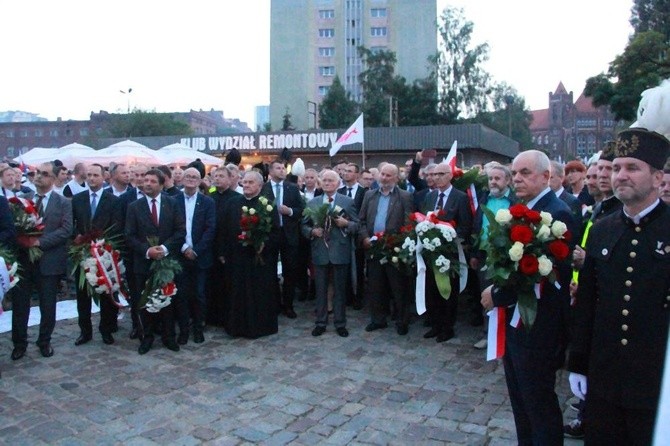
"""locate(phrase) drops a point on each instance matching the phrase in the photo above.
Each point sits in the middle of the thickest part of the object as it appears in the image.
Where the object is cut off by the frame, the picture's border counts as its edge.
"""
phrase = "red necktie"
(154, 212)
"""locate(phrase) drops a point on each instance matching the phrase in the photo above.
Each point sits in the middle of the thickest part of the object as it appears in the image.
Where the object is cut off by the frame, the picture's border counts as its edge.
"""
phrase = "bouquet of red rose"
(100, 265)
(8, 272)
(28, 225)
(395, 248)
(523, 248)
(160, 286)
(256, 224)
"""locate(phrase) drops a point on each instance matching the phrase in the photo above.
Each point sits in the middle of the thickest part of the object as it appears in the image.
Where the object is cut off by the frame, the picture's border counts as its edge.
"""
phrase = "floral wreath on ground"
(160, 286)
(97, 256)
(523, 248)
(256, 224)
(28, 223)
(9, 276)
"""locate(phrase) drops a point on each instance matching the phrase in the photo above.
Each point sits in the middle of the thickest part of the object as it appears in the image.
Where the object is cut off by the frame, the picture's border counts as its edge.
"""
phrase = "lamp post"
(127, 93)
(311, 111)
(509, 100)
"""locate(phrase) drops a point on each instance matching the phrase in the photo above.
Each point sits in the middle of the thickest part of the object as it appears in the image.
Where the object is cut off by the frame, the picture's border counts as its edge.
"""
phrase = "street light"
(130, 90)
(509, 100)
(311, 110)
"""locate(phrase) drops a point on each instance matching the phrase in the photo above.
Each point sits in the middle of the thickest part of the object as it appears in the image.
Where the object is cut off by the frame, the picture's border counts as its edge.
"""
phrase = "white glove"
(578, 385)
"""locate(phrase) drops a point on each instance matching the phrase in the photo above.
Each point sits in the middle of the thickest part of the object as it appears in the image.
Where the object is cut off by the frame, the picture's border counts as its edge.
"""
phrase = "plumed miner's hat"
(650, 147)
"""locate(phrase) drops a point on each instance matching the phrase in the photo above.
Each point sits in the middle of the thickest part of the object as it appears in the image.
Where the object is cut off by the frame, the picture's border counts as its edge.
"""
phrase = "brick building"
(569, 129)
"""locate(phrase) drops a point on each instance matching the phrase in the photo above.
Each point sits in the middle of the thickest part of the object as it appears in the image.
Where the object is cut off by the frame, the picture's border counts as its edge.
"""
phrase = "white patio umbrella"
(74, 153)
(36, 156)
(181, 155)
(76, 145)
(127, 152)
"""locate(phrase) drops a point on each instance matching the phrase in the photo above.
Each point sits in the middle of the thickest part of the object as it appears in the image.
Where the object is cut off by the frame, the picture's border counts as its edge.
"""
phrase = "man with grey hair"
(532, 357)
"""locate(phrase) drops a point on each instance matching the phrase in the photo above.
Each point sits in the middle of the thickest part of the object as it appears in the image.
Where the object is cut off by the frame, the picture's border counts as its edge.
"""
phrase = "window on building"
(53, 132)
(323, 90)
(24, 133)
(326, 13)
(10, 151)
(326, 32)
(9, 133)
(378, 31)
(68, 132)
(327, 51)
(377, 49)
(83, 132)
(38, 132)
(378, 12)
(327, 71)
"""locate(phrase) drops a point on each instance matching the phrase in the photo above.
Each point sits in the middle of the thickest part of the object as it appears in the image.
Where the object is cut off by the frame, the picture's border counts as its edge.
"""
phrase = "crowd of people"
(608, 312)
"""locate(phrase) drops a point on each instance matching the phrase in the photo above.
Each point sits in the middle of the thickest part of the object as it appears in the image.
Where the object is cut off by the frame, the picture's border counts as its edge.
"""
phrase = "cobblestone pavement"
(291, 388)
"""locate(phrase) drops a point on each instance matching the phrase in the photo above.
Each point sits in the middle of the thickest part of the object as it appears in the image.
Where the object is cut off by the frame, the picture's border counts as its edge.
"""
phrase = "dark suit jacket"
(457, 209)
(358, 197)
(106, 213)
(290, 197)
(573, 203)
(548, 336)
(203, 227)
(57, 231)
(170, 231)
(400, 206)
(7, 229)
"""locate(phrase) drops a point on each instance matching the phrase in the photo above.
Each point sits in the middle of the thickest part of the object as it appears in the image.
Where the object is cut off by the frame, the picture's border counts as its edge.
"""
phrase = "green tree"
(337, 110)
(463, 82)
(651, 15)
(286, 123)
(378, 84)
(417, 103)
(146, 123)
(643, 64)
(509, 116)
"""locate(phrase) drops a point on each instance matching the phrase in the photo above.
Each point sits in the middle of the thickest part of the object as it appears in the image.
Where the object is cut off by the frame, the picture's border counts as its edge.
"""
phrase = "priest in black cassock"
(250, 281)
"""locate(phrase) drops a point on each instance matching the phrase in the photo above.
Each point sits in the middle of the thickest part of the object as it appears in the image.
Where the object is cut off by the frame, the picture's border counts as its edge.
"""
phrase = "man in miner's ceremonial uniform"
(620, 327)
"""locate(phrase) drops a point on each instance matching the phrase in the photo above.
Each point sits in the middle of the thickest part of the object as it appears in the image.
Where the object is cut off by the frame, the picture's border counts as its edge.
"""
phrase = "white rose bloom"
(516, 251)
(383, 261)
(448, 233)
(396, 249)
(558, 228)
(543, 233)
(447, 264)
(503, 216)
(436, 242)
(546, 218)
(394, 259)
(338, 209)
(91, 278)
(252, 211)
(444, 269)
(545, 265)
(245, 209)
(263, 200)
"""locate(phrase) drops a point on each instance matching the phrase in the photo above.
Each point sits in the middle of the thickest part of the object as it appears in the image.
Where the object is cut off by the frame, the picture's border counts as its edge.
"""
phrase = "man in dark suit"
(45, 273)
(7, 230)
(331, 252)
(285, 236)
(217, 299)
(355, 191)
(556, 185)
(621, 316)
(94, 210)
(452, 206)
(157, 216)
(385, 210)
(197, 257)
(132, 194)
(533, 356)
(119, 180)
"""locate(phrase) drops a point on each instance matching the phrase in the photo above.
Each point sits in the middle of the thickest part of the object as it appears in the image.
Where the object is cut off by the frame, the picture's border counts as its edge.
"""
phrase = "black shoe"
(18, 353)
(198, 337)
(171, 345)
(318, 331)
(445, 336)
(145, 346)
(83, 339)
(46, 350)
(107, 338)
(574, 430)
(182, 339)
(289, 313)
(402, 329)
(134, 333)
(372, 326)
(343, 332)
(431, 333)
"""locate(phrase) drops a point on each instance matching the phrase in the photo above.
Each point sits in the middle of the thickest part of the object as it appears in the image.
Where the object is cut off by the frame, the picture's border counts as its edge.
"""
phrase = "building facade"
(312, 41)
(570, 129)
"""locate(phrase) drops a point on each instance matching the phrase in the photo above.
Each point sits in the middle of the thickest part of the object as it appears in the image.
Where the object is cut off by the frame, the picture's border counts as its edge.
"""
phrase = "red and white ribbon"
(496, 336)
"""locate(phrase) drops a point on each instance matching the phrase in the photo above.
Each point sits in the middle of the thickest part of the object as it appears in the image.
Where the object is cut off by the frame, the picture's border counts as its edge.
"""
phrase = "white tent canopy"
(36, 156)
(127, 152)
(181, 155)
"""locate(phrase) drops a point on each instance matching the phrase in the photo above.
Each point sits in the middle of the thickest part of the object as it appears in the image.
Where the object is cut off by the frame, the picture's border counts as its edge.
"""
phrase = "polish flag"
(353, 135)
(451, 156)
(496, 336)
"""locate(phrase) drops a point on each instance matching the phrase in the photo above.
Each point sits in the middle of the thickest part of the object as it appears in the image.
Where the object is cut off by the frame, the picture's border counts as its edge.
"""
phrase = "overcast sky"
(67, 58)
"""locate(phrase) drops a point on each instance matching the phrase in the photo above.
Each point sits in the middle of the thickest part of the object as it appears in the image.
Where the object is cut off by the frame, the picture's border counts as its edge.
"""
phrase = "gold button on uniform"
(625, 312)
(634, 242)
(624, 342)
(626, 297)
(624, 327)
(628, 283)
(629, 269)
(632, 255)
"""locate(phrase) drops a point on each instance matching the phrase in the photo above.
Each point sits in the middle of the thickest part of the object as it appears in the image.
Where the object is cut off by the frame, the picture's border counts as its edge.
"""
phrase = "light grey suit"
(336, 255)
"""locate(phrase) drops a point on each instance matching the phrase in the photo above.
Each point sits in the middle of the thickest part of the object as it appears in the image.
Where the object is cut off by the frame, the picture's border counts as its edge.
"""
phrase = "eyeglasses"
(43, 173)
(438, 173)
(191, 177)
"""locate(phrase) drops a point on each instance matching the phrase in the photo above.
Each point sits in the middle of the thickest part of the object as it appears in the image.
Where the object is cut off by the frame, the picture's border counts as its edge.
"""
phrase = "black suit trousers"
(191, 301)
(609, 424)
(151, 320)
(441, 311)
(108, 312)
(47, 288)
(288, 254)
(386, 283)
